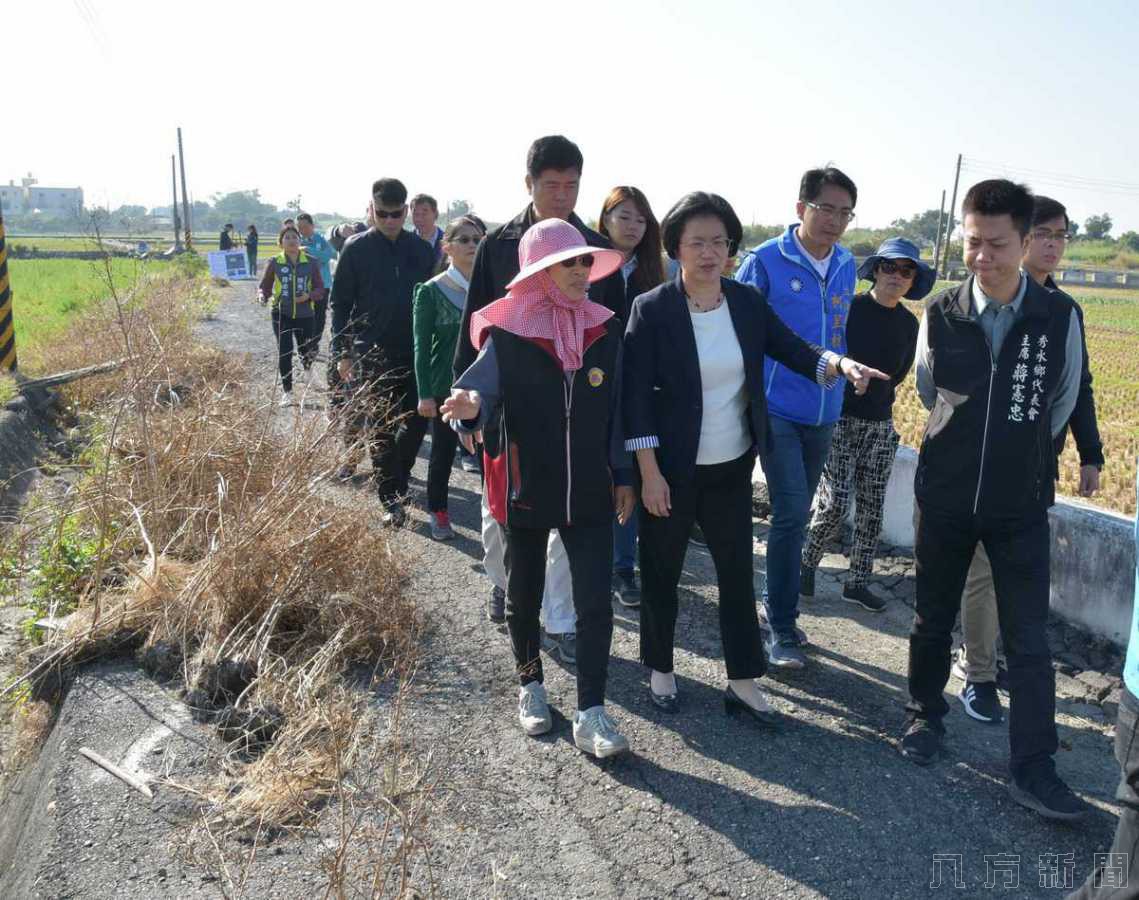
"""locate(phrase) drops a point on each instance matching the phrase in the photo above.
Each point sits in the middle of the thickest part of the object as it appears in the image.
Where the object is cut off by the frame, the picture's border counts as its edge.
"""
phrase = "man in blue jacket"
(809, 281)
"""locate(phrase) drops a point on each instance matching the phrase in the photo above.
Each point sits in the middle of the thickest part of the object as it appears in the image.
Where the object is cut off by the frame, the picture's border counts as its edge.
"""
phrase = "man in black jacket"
(553, 176)
(977, 664)
(998, 364)
(371, 301)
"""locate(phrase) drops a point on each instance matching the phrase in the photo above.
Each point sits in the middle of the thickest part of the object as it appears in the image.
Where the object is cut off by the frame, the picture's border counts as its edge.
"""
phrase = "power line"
(1054, 179)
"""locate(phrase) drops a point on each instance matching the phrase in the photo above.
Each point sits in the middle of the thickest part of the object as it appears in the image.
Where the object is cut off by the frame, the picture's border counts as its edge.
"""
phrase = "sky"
(736, 97)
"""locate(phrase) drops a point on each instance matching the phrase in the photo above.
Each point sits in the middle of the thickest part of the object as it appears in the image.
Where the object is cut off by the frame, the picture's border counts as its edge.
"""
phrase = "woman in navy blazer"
(695, 415)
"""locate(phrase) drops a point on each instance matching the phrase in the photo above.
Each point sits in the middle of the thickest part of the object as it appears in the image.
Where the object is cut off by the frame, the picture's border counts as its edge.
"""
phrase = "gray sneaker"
(765, 627)
(441, 529)
(783, 651)
(564, 646)
(595, 734)
(533, 710)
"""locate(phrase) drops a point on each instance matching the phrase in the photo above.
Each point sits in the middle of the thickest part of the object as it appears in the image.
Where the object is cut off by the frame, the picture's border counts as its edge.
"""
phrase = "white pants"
(557, 598)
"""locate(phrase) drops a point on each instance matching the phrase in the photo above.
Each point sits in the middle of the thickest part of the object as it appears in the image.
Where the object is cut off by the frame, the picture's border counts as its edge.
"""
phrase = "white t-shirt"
(819, 265)
(724, 435)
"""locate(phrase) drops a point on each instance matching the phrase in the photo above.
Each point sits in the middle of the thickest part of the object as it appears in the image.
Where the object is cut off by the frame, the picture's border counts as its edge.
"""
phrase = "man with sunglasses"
(553, 176)
(809, 281)
(978, 662)
(372, 306)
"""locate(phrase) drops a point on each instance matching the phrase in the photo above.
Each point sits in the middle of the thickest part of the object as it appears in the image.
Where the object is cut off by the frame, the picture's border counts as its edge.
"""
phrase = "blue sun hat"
(900, 248)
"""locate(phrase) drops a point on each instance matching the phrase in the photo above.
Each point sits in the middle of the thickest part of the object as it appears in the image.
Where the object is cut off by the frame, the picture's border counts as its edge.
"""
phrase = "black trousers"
(289, 331)
(395, 429)
(589, 549)
(1019, 551)
(1117, 876)
(720, 500)
(444, 440)
(320, 314)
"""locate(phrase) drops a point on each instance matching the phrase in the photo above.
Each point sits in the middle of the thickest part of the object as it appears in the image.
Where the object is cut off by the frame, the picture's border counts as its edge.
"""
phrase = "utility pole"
(7, 324)
(952, 209)
(174, 206)
(937, 245)
(185, 200)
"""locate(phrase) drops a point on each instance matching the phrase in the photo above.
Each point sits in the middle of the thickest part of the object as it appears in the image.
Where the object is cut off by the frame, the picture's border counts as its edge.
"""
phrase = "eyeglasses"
(398, 214)
(1043, 234)
(832, 212)
(467, 239)
(586, 259)
(889, 268)
(718, 245)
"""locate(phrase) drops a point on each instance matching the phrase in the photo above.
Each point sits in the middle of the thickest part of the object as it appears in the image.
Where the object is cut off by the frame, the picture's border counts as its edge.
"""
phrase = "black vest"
(555, 431)
(987, 448)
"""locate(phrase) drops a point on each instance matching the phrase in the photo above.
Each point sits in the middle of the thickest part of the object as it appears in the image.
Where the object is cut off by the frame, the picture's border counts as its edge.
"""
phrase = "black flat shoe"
(768, 719)
(668, 703)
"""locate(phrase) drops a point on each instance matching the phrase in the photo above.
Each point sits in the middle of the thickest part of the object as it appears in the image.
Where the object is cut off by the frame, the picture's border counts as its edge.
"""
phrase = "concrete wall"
(1093, 553)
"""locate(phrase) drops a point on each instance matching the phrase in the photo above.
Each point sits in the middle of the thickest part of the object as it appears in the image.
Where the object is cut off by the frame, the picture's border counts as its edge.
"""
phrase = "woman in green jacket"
(437, 315)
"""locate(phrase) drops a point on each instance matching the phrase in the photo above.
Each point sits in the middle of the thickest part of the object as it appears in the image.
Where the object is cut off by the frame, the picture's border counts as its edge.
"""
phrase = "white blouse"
(724, 433)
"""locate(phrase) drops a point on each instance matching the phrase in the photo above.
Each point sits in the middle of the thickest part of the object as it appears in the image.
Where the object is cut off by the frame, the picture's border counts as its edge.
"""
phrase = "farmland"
(1112, 324)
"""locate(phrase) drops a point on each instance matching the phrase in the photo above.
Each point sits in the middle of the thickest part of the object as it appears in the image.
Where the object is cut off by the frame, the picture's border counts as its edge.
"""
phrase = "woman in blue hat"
(881, 332)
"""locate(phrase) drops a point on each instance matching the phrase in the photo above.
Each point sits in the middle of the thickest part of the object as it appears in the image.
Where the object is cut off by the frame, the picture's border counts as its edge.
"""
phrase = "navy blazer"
(663, 397)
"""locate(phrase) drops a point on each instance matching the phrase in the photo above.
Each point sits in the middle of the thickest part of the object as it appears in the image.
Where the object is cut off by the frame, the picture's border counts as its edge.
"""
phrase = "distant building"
(30, 196)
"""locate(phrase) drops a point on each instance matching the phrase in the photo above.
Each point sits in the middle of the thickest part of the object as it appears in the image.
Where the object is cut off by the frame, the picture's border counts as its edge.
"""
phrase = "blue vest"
(1131, 664)
(815, 309)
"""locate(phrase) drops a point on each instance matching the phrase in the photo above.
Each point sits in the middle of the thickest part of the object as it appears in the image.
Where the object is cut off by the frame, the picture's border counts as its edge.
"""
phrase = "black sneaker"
(921, 742)
(981, 701)
(697, 535)
(806, 582)
(1044, 792)
(625, 589)
(861, 595)
(496, 606)
(394, 516)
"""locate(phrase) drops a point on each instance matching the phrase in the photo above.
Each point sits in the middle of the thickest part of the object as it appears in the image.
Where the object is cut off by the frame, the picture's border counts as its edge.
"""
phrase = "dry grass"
(222, 552)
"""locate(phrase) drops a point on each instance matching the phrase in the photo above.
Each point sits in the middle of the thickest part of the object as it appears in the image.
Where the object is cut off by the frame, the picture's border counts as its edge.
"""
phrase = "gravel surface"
(705, 806)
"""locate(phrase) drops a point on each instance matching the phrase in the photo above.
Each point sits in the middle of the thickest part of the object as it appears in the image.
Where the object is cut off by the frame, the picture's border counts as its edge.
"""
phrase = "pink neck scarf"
(537, 308)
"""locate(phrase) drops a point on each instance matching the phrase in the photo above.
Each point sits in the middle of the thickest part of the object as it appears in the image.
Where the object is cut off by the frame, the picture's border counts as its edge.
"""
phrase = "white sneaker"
(595, 733)
(533, 710)
(286, 399)
(957, 670)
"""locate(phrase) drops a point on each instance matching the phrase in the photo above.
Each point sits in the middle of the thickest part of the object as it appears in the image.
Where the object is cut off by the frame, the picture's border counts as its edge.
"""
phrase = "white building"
(30, 196)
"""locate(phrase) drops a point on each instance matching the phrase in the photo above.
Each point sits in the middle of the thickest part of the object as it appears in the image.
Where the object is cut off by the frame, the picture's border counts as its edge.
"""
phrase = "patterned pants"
(862, 454)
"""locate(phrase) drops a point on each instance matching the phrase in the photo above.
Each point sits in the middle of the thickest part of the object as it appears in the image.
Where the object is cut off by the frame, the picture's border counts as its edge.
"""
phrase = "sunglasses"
(586, 259)
(906, 271)
(467, 239)
(384, 214)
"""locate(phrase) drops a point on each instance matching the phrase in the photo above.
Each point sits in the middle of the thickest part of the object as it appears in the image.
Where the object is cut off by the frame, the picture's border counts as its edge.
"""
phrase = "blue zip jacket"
(814, 309)
(323, 252)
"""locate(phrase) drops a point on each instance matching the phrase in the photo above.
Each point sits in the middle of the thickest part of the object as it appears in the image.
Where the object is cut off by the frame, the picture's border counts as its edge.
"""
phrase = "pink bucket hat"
(553, 240)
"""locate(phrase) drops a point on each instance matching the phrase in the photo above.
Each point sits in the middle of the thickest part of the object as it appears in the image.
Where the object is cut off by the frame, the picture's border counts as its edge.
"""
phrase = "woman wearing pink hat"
(548, 371)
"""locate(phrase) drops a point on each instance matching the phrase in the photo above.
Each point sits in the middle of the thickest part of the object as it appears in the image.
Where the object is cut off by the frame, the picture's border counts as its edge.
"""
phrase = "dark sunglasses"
(906, 271)
(384, 214)
(467, 239)
(586, 259)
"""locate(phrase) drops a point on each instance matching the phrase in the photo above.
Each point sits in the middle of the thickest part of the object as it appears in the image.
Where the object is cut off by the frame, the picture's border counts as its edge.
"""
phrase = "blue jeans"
(625, 545)
(792, 466)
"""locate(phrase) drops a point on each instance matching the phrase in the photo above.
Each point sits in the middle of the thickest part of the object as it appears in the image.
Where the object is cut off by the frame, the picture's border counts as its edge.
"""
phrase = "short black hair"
(554, 151)
(304, 217)
(1045, 209)
(285, 229)
(227, 225)
(699, 203)
(998, 197)
(389, 191)
(425, 198)
(814, 180)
